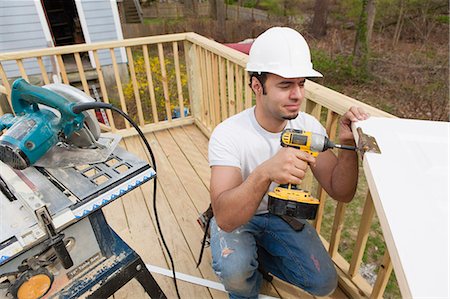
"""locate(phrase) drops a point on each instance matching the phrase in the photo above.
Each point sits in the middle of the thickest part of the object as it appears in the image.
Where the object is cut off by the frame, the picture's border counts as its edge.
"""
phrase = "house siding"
(20, 30)
(100, 23)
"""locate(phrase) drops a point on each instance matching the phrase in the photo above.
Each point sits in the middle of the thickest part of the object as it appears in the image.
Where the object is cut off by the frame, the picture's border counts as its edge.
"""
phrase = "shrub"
(157, 79)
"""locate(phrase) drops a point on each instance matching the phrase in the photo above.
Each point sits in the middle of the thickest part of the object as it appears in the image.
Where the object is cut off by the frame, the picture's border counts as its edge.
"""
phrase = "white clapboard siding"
(20, 30)
(100, 22)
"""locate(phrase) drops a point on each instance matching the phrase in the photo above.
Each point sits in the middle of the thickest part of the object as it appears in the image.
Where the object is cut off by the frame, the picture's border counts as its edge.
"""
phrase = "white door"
(409, 183)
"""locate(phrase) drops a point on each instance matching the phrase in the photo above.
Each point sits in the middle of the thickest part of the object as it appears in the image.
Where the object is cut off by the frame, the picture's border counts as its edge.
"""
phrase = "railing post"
(194, 78)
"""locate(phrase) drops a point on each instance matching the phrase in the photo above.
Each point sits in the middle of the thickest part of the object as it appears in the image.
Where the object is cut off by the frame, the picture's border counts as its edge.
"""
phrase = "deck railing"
(205, 82)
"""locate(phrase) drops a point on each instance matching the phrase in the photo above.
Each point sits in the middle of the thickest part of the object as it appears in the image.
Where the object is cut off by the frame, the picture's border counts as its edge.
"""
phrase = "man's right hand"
(289, 165)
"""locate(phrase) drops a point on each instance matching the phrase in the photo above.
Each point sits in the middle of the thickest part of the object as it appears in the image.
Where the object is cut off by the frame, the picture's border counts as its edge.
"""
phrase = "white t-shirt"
(241, 142)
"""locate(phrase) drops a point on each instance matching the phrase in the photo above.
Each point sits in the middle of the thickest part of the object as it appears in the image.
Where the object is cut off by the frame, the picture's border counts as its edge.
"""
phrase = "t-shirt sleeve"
(315, 126)
(222, 149)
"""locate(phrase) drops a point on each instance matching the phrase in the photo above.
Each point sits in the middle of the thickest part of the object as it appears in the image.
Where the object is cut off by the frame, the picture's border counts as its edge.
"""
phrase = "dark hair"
(261, 76)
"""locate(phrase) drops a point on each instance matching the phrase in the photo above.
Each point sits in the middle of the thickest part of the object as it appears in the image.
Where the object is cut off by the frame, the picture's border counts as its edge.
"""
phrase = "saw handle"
(25, 97)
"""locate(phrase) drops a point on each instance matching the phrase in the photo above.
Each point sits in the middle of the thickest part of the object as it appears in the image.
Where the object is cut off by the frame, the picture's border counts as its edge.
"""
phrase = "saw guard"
(90, 133)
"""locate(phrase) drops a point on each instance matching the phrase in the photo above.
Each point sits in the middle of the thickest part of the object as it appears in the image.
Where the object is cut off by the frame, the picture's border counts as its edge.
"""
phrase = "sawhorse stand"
(120, 265)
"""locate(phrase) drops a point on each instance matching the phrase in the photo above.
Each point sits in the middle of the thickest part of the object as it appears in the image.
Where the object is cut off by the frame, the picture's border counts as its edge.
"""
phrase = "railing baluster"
(331, 128)
(203, 105)
(239, 97)
(215, 81)
(223, 88)
(123, 104)
(248, 92)
(81, 72)
(62, 69)
(22, 71)
(204, 89)
(382, 277)
(5, 83)
(313, 109)
(230, 80)
(363, 234)
(164, 81)
(43, 70)
(137, 97)
(101, 80)
(336, 231)
(151, 88)
(178, 77)
(209, 84)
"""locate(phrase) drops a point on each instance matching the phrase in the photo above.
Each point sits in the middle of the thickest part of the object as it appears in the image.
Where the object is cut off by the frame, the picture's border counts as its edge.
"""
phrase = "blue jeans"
(268, 242)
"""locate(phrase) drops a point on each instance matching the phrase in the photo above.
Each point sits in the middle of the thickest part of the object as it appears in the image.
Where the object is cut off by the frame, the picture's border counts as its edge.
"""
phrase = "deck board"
(182, 193)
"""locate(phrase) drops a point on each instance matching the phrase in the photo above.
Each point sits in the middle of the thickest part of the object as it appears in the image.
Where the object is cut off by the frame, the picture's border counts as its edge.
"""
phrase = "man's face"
(283, 97)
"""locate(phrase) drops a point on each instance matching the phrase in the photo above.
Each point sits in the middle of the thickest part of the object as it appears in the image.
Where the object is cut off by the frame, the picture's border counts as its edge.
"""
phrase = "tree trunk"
(319, 24)
(361, 49)
(190, 8)
(398, 26)
(221, 27)
(371, 11)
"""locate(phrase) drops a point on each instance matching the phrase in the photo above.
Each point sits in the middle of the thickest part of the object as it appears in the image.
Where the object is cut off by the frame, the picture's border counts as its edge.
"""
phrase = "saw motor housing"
(34, 129)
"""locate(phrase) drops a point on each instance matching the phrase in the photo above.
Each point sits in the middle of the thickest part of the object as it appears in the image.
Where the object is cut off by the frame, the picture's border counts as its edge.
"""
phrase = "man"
(247, 161)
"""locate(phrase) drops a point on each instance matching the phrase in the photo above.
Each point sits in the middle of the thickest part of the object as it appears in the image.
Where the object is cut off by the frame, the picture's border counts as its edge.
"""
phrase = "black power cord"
(80, 107)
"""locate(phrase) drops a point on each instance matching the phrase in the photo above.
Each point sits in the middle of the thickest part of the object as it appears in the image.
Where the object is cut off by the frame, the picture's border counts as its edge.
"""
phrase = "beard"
(290, 117)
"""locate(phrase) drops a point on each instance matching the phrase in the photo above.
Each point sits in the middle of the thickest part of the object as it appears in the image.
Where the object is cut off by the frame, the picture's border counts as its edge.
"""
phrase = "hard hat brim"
(286, 74)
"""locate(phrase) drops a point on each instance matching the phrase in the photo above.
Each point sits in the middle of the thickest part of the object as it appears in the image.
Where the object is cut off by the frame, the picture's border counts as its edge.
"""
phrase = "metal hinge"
(367, 143)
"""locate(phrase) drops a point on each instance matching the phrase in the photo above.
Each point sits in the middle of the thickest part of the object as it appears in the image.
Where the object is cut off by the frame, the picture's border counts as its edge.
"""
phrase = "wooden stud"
(178, 77)
(123, 104)
(137, 97)
(101, 80)
(363, 234)
(43, 70)
(164, 81)
(62, 69)
(151, 88)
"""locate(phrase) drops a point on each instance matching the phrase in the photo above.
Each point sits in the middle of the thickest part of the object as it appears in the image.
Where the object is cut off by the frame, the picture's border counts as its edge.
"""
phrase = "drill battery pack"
(288, 200)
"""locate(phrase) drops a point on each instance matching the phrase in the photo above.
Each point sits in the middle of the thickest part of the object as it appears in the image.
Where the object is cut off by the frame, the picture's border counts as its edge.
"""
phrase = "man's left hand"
(352, 115)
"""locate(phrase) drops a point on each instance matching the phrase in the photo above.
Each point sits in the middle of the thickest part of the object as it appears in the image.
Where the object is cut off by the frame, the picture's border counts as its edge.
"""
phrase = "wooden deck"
(183, 192)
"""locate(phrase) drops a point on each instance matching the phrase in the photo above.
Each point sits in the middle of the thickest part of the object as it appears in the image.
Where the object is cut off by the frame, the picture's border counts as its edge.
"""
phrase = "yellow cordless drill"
(288, 199)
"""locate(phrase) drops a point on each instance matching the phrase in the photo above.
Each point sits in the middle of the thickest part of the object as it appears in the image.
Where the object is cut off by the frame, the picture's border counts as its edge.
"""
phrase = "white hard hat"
(281, 51)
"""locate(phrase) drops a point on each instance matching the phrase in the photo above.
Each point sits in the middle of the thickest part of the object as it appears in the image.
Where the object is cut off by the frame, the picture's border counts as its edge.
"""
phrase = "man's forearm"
(235, 207)
(345, 176)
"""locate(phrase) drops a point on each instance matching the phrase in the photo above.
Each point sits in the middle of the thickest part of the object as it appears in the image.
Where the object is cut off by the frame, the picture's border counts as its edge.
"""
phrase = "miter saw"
(46, 132)
(56, 173)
